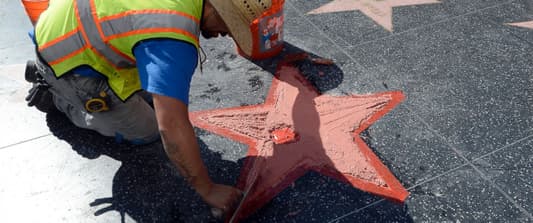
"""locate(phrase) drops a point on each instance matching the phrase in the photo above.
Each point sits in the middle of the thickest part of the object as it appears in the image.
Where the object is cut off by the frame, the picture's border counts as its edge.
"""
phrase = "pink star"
(378, 10)
(528, 25)
(297, 130)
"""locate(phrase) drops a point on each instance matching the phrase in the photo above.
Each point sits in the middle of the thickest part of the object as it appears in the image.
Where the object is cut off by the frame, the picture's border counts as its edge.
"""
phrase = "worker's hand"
(222, 197)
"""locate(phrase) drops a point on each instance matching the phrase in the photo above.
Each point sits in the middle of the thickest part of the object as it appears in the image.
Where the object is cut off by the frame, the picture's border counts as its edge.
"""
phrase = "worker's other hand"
(222, 197)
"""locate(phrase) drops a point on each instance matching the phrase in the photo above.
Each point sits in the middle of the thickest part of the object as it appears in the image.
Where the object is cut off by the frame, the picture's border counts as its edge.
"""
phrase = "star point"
(527, 24)
(378, 10)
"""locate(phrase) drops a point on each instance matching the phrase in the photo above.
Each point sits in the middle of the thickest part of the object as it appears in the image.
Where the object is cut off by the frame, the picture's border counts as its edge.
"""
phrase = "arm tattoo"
(176, 156)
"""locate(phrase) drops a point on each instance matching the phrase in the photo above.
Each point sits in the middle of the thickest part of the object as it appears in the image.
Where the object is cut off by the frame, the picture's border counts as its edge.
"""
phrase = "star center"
(284, 135)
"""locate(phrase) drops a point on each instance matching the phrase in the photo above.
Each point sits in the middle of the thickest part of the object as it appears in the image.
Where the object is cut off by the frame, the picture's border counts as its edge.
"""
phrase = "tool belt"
(41, 97)
(98, 103)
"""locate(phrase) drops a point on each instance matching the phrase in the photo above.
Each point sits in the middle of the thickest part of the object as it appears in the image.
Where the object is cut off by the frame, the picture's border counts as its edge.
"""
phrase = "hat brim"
(236, 23)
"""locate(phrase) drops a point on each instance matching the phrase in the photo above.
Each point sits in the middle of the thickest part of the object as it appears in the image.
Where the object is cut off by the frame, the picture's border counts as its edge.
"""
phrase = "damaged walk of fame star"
(378, 10)
(528, 24)
(298, 130)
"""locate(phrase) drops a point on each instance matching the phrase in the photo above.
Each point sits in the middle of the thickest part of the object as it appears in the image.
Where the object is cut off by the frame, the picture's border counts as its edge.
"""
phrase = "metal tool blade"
(246, 192)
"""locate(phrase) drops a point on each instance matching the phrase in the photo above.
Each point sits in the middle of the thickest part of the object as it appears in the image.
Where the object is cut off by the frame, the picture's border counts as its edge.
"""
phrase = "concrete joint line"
(499, 189)
(357, 210)
(394, 34)
(25, 141)
(341, 49)
(410, 188)
(503, 147)
(483, 176)
(467, 163)
(512, 33)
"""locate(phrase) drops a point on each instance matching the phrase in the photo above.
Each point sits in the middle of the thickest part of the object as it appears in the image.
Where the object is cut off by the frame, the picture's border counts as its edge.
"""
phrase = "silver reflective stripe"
(91, 30)
(63, 48)
(152, 20)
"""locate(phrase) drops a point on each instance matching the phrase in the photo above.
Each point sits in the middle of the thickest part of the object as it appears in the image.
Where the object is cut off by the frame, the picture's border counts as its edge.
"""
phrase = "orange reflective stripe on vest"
(159, 19)
(63, 47)
(89, 27)
(94, 33)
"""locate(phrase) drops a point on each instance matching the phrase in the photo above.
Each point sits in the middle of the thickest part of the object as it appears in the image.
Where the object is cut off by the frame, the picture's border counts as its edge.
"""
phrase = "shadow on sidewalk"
(323, 77)
(146, 187)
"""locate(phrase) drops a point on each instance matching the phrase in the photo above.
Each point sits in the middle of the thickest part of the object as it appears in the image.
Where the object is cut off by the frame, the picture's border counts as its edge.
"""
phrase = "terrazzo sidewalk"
(461, 142)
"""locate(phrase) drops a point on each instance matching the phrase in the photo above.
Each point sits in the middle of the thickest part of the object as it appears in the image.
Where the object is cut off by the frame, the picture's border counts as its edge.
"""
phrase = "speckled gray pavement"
(461, 143)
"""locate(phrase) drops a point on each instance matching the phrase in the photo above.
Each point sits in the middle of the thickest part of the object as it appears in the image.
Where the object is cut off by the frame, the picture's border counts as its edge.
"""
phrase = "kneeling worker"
(99, 60)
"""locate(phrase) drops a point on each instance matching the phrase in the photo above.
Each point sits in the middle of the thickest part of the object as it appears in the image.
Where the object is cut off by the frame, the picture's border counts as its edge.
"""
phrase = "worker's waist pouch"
(79, 90)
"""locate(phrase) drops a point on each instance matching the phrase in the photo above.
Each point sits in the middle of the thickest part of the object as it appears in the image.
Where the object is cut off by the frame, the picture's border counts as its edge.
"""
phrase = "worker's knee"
(119, 138)
(133, 121)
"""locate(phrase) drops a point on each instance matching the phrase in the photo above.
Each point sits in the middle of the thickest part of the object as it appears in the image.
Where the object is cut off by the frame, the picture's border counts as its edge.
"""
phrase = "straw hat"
(238, 15)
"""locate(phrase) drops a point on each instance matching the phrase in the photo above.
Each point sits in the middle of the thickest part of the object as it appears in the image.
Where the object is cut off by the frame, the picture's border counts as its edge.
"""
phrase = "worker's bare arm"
(182, 148)
(180, 142)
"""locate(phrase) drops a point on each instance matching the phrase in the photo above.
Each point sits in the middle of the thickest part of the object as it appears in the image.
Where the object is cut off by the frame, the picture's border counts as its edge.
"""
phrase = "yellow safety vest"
(103, 33)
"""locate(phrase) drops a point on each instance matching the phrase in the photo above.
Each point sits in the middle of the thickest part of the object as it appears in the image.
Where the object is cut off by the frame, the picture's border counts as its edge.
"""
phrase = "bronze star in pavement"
(297, 130)
(528, 24)
(378, 10)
